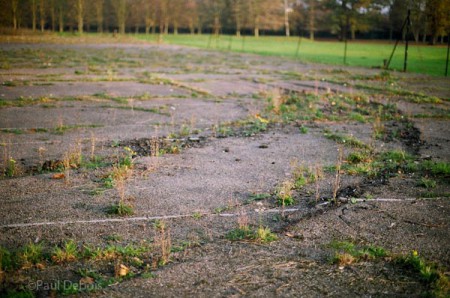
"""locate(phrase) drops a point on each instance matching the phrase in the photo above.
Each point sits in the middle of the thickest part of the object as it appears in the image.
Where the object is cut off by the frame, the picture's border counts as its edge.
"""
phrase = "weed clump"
(261, 234)
(345, 140)
(284, 194)
(67, 253)
(427, 272)
(348, 253)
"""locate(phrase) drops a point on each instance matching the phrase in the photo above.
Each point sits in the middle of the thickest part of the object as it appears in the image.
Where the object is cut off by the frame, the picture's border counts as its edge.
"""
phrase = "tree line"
(430, 19)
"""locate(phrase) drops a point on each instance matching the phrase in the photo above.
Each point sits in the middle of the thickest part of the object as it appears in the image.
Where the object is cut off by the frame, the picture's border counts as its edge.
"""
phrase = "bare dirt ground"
(208, 140)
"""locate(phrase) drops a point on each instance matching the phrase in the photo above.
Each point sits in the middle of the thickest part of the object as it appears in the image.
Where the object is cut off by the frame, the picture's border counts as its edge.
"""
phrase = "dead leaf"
(58, 176)
(121, 270)
(40, 266)
(137, 260)
(86, 280)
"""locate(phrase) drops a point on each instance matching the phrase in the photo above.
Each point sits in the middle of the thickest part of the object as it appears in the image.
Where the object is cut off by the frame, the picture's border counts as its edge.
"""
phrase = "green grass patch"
(61, 129)
(16, 131)
(347, 253)
(257, 197)
(345, 140)
(429, 273)
(426, 183)
(261, 234)
(421, 58)
(140, 109)
(120, 209)
(67, 253)
(395, 162)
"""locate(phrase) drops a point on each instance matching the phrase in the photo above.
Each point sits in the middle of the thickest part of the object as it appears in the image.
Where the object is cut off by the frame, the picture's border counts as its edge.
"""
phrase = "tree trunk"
(147, 27)
(344, 21)
(199, 28)
(286, 18)
(33, 13)
(166, 26)
(191, 26)
(80, 13)
(424, 37)
(312, 18)
(237, 17)
(14, 7)
(42, 15)
(216, 24)
(52, 14)
(256, 29)
(99, 15)
(434, 39)
(61, 19)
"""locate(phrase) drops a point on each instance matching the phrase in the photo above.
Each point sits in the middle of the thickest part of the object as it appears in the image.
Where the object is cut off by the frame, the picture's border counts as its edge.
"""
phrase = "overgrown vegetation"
(429, 273)
(131, 260)
(348, 253)
(260, 234)
(396, 162)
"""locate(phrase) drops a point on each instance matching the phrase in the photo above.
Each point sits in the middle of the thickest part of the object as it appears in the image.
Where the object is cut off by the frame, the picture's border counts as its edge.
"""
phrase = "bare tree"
(237, 13)
(99, 4)
(163, 17)
(312, 18)
(177, 13)
(438, 12)
(42, 15)
(150, 16)
(120, 8)
(60, 9)
(287, 9)
(15, 10)
(52, 14)
(80, 15)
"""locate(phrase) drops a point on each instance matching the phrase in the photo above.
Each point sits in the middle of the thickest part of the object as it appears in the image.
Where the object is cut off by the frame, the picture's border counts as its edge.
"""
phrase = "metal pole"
(298, 46)
(396, 44)
(345, 51)
(209, 40)
(448, 52)
(408, 24)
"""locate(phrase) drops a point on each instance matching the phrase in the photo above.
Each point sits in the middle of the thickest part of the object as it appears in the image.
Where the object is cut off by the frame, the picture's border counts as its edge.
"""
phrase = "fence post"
(448, 52)
(345, 51)
(408, 25)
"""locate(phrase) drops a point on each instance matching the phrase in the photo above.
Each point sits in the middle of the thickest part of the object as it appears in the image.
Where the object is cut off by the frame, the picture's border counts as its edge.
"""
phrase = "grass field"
(422, 59)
